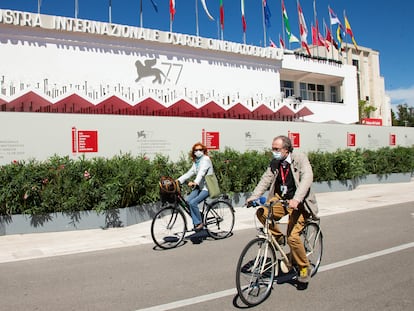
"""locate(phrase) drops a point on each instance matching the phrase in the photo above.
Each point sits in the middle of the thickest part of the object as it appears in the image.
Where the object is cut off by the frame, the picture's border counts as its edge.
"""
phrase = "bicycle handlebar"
(262, 202)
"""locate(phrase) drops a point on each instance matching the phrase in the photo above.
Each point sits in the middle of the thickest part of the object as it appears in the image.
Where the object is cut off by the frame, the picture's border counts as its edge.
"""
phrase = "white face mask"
(277, 155)
(198, 153)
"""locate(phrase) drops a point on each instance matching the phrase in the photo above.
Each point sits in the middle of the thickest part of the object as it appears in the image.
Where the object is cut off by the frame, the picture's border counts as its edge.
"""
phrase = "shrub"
(61, 184)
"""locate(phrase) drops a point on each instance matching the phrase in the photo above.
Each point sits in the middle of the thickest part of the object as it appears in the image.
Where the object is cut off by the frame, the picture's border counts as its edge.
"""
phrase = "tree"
(365, 109)
(405, 115)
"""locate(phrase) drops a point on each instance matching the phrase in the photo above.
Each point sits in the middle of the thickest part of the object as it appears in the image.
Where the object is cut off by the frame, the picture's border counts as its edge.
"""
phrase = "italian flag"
(243, 18)
(221, 14)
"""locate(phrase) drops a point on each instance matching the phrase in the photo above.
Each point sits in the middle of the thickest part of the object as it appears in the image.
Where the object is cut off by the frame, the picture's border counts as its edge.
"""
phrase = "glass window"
(312, 92)
(287, 87)
(303, 91)
(334, 97)
(320, 92)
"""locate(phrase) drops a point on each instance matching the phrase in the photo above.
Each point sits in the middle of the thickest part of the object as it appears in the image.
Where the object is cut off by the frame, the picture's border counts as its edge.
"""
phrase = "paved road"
(367, 265)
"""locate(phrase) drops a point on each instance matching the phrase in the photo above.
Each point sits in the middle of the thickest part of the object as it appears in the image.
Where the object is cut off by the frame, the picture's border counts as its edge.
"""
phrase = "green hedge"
(61, 184)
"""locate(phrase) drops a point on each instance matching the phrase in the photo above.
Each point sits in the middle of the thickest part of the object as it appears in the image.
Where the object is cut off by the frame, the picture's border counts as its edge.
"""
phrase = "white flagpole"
(196, 9)
(110, 11)
(39, 3)
(76, 8)
(140, 14)
(264, 26)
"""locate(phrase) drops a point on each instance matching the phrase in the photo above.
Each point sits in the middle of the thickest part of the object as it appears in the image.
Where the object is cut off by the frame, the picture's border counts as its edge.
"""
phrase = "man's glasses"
(198, 150)
(277, 149)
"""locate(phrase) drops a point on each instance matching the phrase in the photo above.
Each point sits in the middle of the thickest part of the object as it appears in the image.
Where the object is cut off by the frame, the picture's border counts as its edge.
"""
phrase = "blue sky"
(379, 25)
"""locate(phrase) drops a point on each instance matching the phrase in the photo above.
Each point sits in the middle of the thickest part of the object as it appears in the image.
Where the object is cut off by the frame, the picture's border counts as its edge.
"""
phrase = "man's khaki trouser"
(295, 226)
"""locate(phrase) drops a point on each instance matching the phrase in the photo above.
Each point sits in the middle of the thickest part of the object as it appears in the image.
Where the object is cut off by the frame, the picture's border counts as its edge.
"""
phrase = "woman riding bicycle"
(201, 167)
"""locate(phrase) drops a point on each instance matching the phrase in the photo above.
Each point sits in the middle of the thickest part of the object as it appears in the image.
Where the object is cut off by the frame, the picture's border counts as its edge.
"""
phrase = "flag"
(329, 37)
(349, 31)
(291, 37)
(266, 13)
(319, 40)
(303, 29)
(322, 41)
(272, 44)
(154, 4)
(339, 36)
(221, 14)
(243, 18)
(172, 9)
(282, 43)
(203, 2)
(333, 18)
(314, 35)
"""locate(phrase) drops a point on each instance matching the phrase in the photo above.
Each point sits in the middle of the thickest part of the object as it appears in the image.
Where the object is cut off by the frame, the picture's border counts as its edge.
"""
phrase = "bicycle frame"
(182, 203)
(269, 236)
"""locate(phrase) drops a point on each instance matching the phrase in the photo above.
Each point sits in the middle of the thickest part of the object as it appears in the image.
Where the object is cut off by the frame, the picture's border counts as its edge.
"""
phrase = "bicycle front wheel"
(168, 227)
(219, 219)
(313, 241)
(255, 272)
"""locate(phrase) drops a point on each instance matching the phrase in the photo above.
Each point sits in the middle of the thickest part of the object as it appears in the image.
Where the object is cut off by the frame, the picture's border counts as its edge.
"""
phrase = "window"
(312, 92)
(303, 91)
(320, 92)
(334, 97)
(287, 87)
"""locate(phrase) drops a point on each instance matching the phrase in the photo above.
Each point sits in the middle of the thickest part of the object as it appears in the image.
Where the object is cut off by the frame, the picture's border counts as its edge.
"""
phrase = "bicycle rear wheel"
(256, 271)
(313, 241)
(219, 219)
(168, 227)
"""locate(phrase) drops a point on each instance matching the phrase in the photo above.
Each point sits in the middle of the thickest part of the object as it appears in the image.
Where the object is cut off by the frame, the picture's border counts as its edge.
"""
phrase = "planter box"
(346, 185)
(21, 224)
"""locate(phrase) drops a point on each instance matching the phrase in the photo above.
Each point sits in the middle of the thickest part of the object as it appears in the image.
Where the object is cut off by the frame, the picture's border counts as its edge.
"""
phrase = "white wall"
(40, 135)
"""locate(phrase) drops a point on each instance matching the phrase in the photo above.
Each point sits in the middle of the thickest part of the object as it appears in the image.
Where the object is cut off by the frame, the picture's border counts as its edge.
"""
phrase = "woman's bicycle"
(169, 225)
(263, 257)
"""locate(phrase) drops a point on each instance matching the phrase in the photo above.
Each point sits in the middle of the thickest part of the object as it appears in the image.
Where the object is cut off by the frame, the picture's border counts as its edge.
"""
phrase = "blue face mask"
(277, 155)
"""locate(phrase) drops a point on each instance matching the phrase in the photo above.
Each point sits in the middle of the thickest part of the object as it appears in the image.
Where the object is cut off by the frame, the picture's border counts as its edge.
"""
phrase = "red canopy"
(285, 112)
(29, 102)
(263, 112)
(148, 107)
(238, 111)
(210, 110)
(113, 105)
(180, 108)
(73, 104)
(305, 111)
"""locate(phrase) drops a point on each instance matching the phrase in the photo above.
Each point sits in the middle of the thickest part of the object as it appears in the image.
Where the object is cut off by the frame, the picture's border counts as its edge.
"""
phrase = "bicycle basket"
(168, 189)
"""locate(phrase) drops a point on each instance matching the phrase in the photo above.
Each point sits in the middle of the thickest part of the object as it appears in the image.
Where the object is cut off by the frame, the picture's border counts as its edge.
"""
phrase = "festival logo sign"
(84, 141)
(211, 140)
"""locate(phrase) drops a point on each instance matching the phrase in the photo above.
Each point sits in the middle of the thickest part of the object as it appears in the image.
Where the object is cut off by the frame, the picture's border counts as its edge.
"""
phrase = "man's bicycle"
(169, 225)
(263, 257)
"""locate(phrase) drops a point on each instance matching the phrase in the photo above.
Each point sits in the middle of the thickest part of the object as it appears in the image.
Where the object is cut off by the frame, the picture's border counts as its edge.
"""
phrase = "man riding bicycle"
(289, 176)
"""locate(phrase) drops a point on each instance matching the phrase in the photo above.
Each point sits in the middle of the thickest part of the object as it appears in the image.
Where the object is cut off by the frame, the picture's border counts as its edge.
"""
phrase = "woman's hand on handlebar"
(192, 184)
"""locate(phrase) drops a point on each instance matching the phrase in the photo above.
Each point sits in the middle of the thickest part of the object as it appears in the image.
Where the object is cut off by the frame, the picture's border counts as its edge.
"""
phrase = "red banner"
(371, 121)
(393, 139)
(351, 140)
(295, 139)
(84, 141)
(211, 140)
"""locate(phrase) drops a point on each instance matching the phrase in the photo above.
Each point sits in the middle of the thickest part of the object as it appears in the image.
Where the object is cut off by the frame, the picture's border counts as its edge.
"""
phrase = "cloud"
(402, 96)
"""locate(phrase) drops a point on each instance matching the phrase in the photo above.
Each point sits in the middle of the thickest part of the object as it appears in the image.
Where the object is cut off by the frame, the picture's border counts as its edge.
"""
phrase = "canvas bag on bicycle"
(212, 185)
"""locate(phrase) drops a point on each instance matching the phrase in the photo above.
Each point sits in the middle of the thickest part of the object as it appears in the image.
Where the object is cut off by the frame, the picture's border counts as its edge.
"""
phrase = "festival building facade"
(66, 65)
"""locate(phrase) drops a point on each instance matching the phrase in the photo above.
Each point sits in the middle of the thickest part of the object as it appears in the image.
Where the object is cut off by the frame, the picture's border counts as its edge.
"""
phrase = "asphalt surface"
(40, 245)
